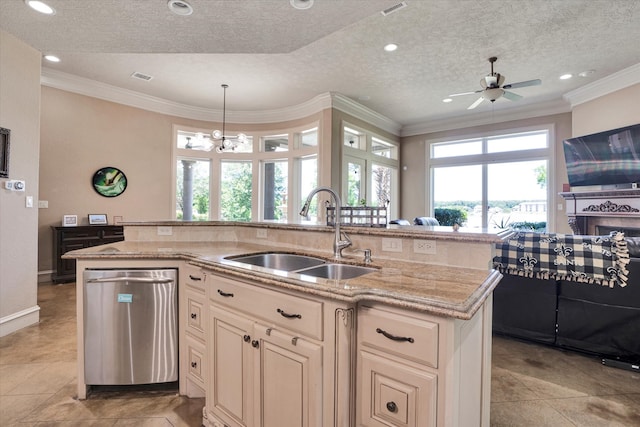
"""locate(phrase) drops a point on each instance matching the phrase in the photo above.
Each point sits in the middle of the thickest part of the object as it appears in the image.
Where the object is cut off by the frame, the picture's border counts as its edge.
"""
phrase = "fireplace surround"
(598, 212)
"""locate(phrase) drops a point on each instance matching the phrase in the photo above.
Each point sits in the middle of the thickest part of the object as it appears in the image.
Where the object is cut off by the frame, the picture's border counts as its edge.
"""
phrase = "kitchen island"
(406, 344)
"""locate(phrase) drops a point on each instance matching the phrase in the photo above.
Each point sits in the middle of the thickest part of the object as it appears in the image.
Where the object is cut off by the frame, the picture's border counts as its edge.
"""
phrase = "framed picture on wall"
(69, 220)
(97, 219)
(4, 152)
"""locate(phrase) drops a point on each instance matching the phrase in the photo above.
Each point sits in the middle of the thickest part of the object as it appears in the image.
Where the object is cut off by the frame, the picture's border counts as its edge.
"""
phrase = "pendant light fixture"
(223, 142)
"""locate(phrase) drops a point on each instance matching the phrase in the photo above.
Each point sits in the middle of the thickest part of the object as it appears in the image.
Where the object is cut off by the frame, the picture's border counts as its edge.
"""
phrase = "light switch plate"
(391, 245)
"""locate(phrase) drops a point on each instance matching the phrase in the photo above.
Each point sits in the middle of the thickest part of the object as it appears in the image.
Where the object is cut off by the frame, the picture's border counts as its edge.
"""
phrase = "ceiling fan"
(493, 88)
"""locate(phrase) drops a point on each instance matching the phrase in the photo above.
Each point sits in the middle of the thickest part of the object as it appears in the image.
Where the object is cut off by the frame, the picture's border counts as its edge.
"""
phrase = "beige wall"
(617, 109)
(19, 112)
(81, 134)
(414, 151)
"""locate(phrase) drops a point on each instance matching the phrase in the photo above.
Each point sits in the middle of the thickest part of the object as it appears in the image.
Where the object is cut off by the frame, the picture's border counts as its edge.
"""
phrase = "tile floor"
(532, 385)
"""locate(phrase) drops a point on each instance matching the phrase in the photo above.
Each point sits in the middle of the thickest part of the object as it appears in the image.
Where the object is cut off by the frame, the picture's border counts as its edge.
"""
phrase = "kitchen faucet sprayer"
(338, 243)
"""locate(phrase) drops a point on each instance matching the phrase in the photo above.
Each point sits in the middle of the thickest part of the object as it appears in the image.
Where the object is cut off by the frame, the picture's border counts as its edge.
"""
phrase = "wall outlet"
(165, 230)
(261, 233)
(392, 245)
(424, 247)
(43, 204)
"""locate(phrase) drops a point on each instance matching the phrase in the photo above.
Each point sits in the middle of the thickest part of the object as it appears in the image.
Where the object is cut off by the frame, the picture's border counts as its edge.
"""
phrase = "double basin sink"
(303, 264)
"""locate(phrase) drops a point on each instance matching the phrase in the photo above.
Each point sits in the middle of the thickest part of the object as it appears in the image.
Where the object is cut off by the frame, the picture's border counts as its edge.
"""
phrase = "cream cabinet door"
(288, 386)
(231, 367)
(395, 394)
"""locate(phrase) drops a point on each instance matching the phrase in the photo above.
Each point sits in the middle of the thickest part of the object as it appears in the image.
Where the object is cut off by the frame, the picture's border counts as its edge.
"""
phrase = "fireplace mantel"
(588, 210)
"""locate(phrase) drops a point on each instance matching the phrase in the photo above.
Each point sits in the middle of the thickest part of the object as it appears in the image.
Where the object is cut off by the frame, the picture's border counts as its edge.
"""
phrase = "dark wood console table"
(71, 238)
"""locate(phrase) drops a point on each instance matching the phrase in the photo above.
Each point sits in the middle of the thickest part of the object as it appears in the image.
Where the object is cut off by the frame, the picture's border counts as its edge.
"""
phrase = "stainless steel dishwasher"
(130, 326)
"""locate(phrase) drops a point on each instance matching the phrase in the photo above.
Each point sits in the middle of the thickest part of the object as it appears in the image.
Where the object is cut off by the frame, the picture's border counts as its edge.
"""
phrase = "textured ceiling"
(273, 56)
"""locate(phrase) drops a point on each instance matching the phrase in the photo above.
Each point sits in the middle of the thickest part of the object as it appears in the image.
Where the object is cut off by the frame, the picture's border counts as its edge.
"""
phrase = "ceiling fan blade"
(475, 104)
(511, 96)
(465, 93)
(535, 82)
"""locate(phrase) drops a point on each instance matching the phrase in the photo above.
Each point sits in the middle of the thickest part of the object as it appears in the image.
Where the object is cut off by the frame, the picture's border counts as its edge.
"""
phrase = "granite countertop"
(448, 291)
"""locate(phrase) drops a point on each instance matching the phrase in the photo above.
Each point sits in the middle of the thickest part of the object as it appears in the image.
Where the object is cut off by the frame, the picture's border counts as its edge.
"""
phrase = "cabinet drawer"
(400, 334)
(193, 276)
(195, 361)
(395, 394)
(294, 313)
(195, 313)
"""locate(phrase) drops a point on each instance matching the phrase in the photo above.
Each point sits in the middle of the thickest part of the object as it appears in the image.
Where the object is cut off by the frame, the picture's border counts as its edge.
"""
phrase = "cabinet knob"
(392, 407)
(255, 343)
(246, 338)
(194, 364)
(194, 316)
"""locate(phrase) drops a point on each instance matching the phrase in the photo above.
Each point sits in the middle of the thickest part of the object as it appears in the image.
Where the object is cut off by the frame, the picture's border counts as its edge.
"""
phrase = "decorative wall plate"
(109, 182)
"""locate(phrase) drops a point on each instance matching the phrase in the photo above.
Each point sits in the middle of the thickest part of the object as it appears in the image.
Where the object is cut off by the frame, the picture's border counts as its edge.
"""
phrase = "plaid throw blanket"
(590, 259)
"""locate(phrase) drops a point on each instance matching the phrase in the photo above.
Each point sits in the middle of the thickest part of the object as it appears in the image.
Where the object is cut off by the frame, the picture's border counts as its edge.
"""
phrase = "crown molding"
(556, 106)
(349, 106)
(614, 82)
(83, 86)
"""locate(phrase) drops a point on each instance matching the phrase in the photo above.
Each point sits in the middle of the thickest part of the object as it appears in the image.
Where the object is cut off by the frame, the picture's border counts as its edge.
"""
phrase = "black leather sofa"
(588, 318)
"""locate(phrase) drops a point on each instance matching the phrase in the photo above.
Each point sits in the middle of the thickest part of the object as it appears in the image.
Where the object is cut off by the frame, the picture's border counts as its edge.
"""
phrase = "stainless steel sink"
(336, 271)
(279, 261)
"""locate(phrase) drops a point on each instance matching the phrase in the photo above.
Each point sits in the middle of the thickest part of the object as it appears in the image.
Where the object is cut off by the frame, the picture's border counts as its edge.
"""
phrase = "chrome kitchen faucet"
(338, 243)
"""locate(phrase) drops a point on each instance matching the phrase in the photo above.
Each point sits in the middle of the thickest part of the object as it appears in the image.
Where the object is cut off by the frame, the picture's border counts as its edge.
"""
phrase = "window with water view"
(492, 182)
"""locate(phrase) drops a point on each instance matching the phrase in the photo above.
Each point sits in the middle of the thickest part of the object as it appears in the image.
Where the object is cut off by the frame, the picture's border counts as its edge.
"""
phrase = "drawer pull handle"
(393, 337)
(225, 294)
(289, 316)
(195, 278)
(294, 340)
(246, 338)
(194, 316)
(194, 364)
(392, 407)
(255, 343)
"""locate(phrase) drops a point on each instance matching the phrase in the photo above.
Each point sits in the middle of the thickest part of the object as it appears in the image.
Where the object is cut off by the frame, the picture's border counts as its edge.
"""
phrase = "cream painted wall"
(19, 112)
(414, 150)
(81, 134)
(617, 109)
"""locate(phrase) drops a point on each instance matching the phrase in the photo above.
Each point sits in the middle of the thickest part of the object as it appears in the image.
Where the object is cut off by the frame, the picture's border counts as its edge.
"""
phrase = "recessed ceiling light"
(180, 7)
(301, 4)
(586, 73)
(566, 76)
(447, 100)
(40, 7)
(391, 47)
(52, 58)
(364, 98)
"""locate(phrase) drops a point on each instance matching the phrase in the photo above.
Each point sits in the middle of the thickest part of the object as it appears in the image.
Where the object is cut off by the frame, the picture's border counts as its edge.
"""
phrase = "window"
(251, 182)
(369, 169)
(495, 181)
(235, 191)
(275, 189)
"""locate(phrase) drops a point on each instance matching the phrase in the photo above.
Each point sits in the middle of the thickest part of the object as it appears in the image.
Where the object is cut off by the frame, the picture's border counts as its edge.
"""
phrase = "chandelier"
(221, 141)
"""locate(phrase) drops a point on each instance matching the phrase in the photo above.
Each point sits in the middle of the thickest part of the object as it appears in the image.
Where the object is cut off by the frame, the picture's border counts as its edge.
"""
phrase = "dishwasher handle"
(131, 279)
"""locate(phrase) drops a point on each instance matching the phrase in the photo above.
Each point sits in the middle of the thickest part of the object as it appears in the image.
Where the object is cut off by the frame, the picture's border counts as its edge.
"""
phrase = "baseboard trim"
(45, 276)
(19, 320)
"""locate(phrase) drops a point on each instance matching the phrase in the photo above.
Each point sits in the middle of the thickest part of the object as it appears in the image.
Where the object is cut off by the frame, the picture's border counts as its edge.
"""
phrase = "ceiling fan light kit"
(493, 87)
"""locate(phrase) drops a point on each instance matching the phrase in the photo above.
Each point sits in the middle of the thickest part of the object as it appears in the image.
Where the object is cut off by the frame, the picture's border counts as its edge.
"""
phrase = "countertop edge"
(463, 311)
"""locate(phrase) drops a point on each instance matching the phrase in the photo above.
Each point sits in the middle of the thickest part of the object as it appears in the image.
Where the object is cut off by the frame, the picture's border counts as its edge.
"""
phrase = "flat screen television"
(609, 159)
